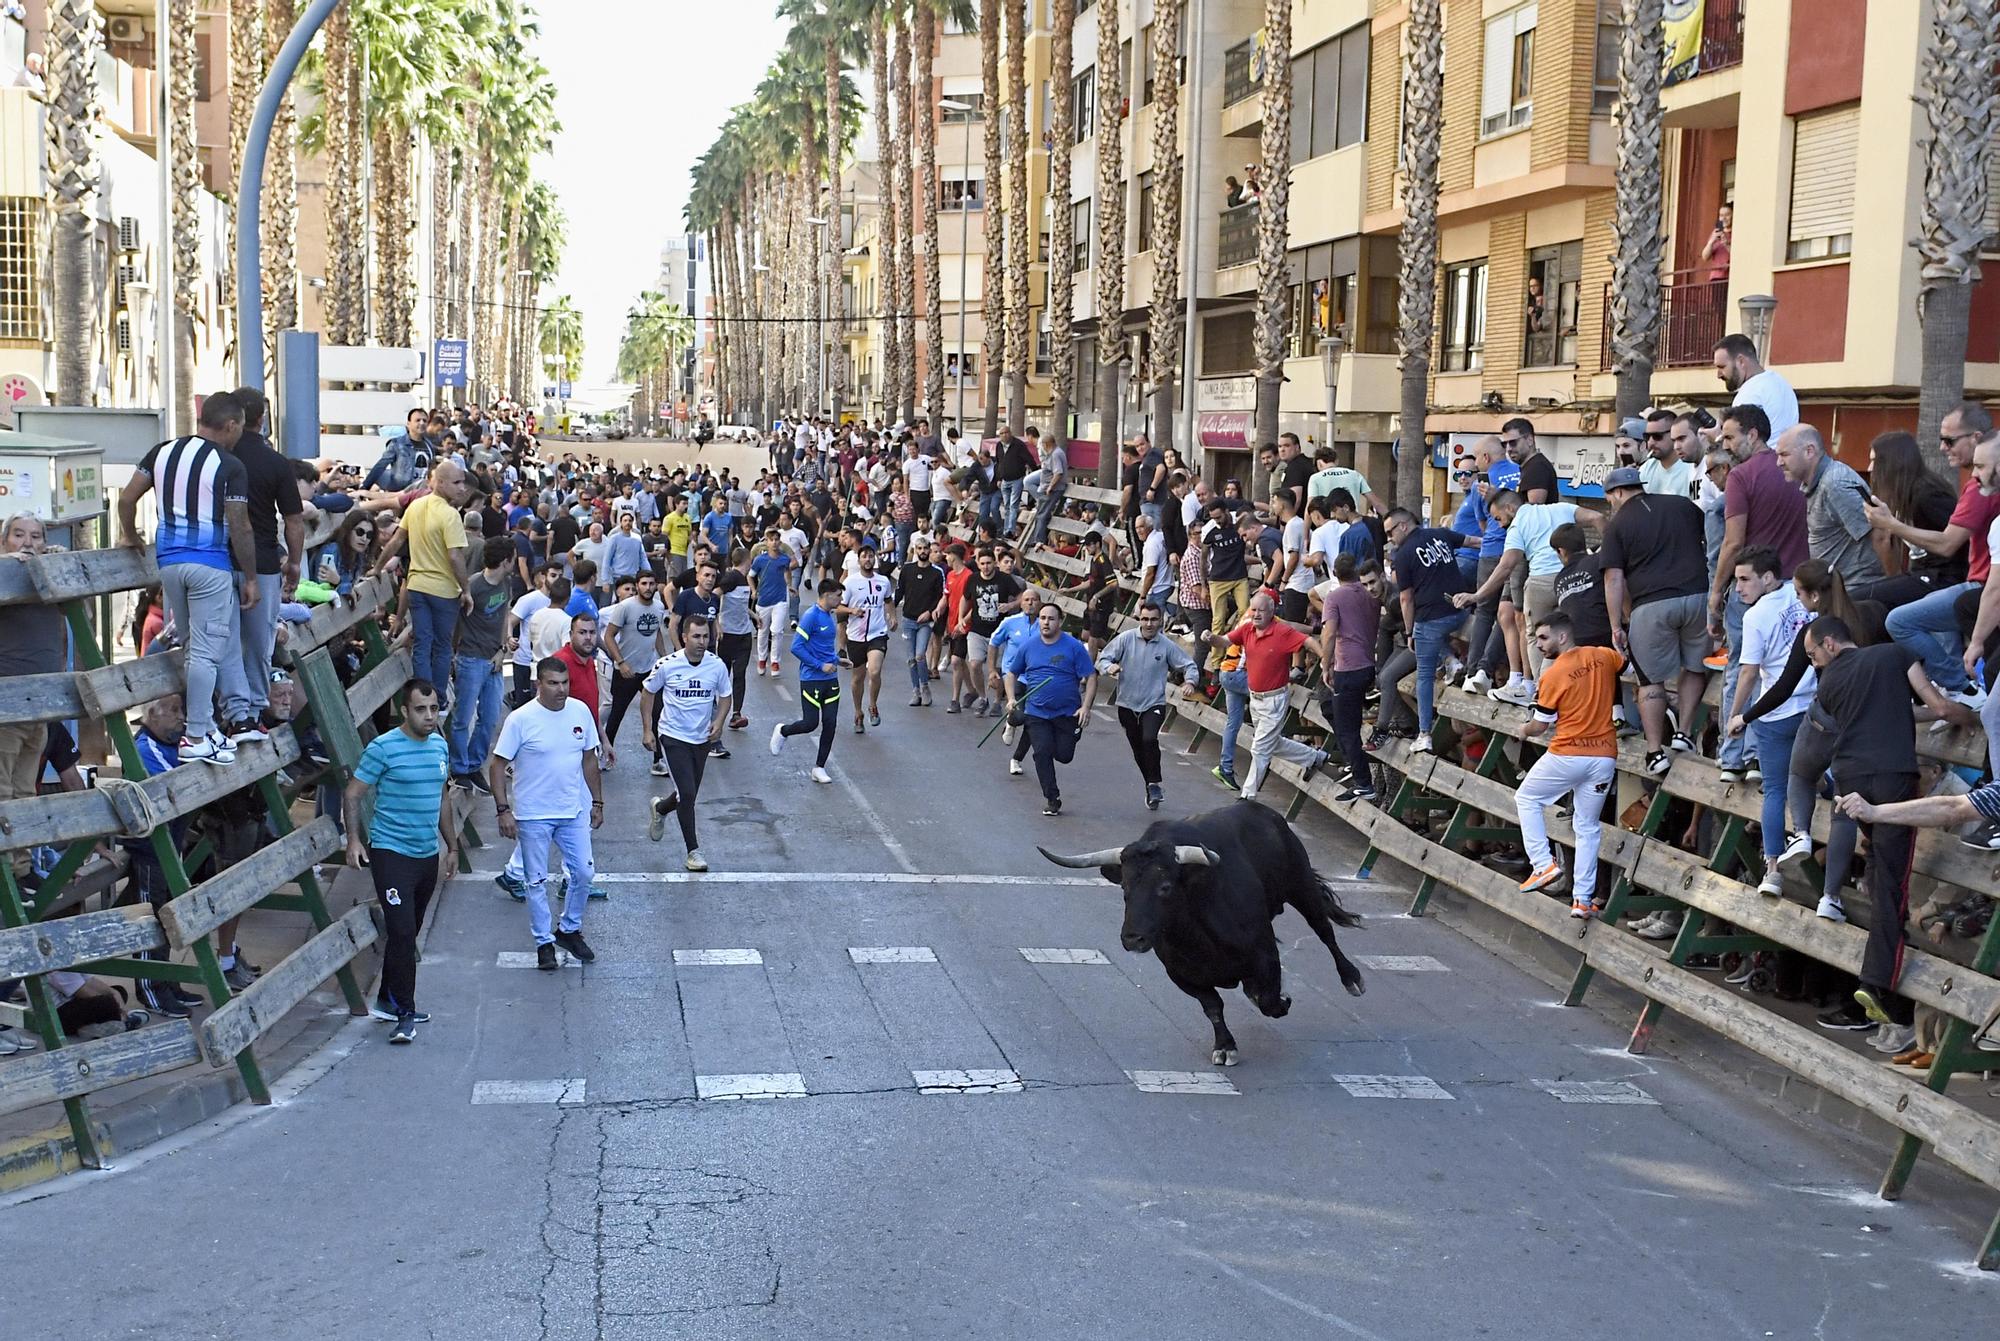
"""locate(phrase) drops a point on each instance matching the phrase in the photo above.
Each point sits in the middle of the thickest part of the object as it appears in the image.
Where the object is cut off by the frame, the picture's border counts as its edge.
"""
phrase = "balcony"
(1721, 41)
(1238, 83)
(1694, 314)
(1236, 240)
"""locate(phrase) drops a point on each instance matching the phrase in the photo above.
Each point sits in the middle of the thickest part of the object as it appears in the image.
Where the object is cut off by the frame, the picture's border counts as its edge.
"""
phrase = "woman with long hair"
(345, 559)
(1918, 496)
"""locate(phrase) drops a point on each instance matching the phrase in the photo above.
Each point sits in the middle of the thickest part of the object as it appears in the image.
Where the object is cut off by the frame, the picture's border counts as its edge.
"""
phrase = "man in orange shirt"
(1578, 687)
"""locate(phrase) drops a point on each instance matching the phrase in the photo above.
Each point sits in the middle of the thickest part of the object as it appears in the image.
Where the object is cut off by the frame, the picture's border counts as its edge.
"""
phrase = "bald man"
(1838, 531)
(437, 588)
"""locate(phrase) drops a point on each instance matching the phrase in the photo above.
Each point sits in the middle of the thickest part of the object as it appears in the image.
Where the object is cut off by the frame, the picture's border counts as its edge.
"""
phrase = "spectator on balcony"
(1837, 526)
(1929, 627)
(1716, 250)
(1253, 190)
(1234, 196)
(1538, 306)
(1912, 492)
(1754, 384)
(1661, 467)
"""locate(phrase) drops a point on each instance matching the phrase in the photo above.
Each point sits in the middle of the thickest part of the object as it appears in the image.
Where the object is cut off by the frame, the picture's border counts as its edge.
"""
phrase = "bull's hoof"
(1278, 1007)
(1223, 1057)
(1355, 988)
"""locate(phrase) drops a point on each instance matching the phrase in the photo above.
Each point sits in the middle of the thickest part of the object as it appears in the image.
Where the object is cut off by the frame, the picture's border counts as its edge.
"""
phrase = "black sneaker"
(405, 1031)
(1848, 1015)
(159, 998)
(1659, 763)
(1154, 796)
(718, 751)
(246, 732)
(1358, 791)
(1052, 805)
(578, 948)
(545, 958)
(1306, 773)
(1986, 837)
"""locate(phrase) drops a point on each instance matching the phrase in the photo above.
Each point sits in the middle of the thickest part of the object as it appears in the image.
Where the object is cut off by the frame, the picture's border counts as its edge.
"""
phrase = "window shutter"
(1495, 89)
(1823, 154)
(1992, 232)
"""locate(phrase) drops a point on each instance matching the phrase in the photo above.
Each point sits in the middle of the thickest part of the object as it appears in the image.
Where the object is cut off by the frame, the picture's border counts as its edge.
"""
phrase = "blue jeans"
(258, 630)
(475, 685)
(433, 619)
(1929, 628)
(1773, 740)
(1010, 505)
(1431, 637)
(903, 532)
(1236, 701)
(920, 643)
(1051, 504)
(989, 508)
(573, 837)
(1733, 747)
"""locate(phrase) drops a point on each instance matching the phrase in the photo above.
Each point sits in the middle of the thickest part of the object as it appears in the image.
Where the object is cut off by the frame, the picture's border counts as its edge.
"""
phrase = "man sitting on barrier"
(1574, 696)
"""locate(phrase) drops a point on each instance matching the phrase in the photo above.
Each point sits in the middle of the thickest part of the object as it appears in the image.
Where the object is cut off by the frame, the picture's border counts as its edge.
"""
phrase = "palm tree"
(280, 224)
(1635, 264)
(1018, 224)
(906, 224)
(1423, 97)
(1062, 231)
(337, 128)
(1165, 340)
(1273, 231)
(559, 336)
(1110, 238)
(74, 44)
(1961, 101)
(246, 77)
(185, 170)
(886, 276)
(924, 37)
(992, 314)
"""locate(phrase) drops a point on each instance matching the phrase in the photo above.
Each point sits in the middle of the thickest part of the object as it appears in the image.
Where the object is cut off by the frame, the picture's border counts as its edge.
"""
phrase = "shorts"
(956, 645)
(871, 647)
(976, 646)
(1517, 586)
(1669, 636)
(1292, 606)
(1097, 620)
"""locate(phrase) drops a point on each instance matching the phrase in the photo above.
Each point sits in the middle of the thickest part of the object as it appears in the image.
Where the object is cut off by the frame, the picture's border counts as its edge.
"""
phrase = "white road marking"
(1392, 1087)
(975, 1081)
(831, 878)
(528, 1091)
(867, 809)
(525, 959)
(1182, 1082)
(752, 1085)
(892, 954)
(716, 958)
(1595, 1092)
(1052, 956)
(1402, 963)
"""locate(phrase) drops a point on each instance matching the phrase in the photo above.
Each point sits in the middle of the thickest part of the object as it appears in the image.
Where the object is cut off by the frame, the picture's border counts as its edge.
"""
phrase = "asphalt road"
(539, 1164)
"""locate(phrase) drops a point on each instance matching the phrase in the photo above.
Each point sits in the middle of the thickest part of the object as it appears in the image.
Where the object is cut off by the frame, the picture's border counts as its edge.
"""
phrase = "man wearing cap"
(1626, 440)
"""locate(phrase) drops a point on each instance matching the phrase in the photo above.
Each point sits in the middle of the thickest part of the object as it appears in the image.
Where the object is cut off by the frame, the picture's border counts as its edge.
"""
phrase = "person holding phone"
(1716, 250)
(1838, 531)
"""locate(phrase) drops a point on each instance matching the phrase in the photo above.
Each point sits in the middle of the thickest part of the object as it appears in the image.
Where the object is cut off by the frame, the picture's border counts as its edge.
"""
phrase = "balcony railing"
(1237, 83)
(1721, 41)
(1237, 243)
(1694, 314)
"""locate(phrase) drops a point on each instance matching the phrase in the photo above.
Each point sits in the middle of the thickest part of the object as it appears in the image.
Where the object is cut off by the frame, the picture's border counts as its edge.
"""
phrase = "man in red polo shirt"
(1271, 649)
(580, 655)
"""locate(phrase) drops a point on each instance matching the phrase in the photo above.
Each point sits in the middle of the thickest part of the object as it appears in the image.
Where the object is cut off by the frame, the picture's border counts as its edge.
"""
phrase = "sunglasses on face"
(1655, 437)
(1510, 442)
(364, 531)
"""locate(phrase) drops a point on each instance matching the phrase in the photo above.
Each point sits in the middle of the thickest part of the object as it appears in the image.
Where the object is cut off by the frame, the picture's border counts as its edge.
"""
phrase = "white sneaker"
(1014, 768)
(695, 861)
(1007, 734)
(1422, 744)
(1798, 847)
(1517, 691)
(1831, 908)
(1891, 1039)
(656, 823)
(1452, 668)
(778, 738)
(1972, 696)
(1479, 682)
(821, 775)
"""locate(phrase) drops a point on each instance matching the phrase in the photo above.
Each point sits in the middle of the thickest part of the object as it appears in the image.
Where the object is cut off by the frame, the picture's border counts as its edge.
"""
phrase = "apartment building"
(684, 278)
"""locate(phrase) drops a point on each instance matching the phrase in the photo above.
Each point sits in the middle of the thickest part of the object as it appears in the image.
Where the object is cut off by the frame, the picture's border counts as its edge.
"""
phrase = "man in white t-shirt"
(1737, 365)
(692, 690)
(1294, 580)
(1323, 545)
(864, 604)
(1772, 619)
(543, 772)
(548, 627)
(525, 609)
(635, 636)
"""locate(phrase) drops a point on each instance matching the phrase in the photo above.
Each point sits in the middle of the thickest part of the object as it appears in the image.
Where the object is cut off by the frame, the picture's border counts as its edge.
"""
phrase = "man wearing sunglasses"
(1661, 467)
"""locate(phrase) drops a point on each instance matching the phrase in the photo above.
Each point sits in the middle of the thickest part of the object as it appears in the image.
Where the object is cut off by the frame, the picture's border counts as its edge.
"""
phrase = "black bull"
(1201, 893)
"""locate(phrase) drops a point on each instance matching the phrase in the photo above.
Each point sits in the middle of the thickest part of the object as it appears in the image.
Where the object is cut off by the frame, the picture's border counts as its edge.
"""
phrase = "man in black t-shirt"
(987, 596)
(1538, 473)
(1427, 577)
(1656, 590)
(1227, 572)
(700, 601)
(919, 594)
(274, 493)
(1296, 469)
(1580, 587)
(564, 532)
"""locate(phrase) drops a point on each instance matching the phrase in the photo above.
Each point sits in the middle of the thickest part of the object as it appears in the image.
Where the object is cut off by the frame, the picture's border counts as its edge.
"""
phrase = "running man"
(1271, 650)
(1051, 681)
(771, 571)
(987, 594)
(635, 636)
(1012, 630)
(691, 688)
(1140, 660)
(552, 744)
(813, 644)
(864, 602)
(1574, 694)
(408, 835)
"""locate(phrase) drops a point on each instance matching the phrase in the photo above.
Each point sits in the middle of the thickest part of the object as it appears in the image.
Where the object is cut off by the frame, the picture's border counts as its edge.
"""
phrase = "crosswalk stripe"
(1056, 956)
(525, 959)
(1182, 1082)
(716, 958)
(528, 1091)
(1392, 1087)
(976, 1081)
(892, 954)
(1402, 963)
(751, 1085)
(1595, 1092)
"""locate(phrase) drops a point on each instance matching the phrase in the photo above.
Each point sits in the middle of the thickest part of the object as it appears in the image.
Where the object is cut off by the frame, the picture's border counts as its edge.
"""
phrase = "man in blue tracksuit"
(1051, 681)
(813, 645)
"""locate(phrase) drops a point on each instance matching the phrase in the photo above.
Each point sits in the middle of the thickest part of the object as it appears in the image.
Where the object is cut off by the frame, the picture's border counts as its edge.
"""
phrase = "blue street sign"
(563, 391)
(450, 362)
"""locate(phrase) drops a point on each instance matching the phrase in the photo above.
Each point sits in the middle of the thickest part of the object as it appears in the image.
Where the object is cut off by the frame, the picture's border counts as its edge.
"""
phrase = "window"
(1330, 95)
(1042, 347)
(1464, 317)
(1147, 73)
(1229, 344)
(961, 193)
(1083, 374)
(957, 365)
(1506, 102)
(1604, 71)
(1079, 222)
(975, 104)
(1083, 106)
(1823, 147)
(1145, 212)
(1992, 230)
(20, 268)
(1555, 276)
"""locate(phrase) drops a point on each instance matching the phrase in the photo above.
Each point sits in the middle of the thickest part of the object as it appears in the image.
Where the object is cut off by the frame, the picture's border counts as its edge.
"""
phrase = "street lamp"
(1756, 309)
(1329, 361)
(964, 243)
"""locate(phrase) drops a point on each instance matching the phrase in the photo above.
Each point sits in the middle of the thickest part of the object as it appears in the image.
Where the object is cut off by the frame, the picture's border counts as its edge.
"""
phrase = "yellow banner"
(1681, 23)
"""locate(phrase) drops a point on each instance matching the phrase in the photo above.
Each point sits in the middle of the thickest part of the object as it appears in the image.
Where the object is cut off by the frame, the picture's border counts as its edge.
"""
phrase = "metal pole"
(1193, 205)
(163, 281)
(250, 194)
(964, 246)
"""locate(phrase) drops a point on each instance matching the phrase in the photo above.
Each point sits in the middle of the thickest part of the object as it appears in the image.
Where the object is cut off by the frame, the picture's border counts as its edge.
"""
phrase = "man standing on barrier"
(1140, 660)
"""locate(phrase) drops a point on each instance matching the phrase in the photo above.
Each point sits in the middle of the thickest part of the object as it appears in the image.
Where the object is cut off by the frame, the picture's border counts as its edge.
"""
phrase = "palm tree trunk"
(1110, 240)
(280, 224)
(1062, 230)
(993, 305)
(484, 317)
(186, 169)
(1168, 168)
(1962, 112)
(246, 77)
(74, 44)
(440, 223)
(1635, 262)
(906, 207)
(1423, 95)
(344, 241)
(885, 268)
(1019, 224)
(1273, 225)
(832, 213)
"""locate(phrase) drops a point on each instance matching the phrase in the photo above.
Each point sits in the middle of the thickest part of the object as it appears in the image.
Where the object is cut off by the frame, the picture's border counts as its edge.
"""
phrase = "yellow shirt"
(678, 526)
(436, 533)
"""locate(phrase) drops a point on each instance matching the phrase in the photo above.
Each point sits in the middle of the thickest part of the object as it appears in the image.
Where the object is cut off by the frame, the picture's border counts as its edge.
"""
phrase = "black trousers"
(819, 707)
(735, 651)
(1053, 739)
(686, 760)
(403, 889)
(624, 688)
(1891, 849)
(1347, 701)
(1142, 733)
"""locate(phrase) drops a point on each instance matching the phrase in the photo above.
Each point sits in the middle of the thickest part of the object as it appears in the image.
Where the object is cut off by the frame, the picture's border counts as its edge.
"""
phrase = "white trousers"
(1589, 777)
(1269, 741)
(771, 622)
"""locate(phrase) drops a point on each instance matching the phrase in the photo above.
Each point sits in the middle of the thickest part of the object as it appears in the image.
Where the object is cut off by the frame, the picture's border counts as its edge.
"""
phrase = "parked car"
(589, 433)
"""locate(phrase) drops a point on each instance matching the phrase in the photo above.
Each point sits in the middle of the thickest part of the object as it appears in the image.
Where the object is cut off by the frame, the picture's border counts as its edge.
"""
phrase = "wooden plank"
(242, 1020)
(378, 686)
(34, 699)
(57, 944)
(326, 698)
(76, 573)
(64, 817)
(83, 1068)
(110, 690)
(1084, 493)
(224, 895)
(328, 622)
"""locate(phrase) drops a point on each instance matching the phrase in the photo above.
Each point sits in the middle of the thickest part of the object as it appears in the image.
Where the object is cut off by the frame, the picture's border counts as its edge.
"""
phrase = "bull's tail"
(1334, 909)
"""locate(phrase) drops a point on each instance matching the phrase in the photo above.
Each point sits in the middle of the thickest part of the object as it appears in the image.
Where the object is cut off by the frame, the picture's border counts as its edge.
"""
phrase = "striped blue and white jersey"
(195, 480)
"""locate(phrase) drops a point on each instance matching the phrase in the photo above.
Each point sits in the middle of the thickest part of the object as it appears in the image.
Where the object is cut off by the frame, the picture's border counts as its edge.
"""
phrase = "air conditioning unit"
(124, 335)
(128, 232)
(126, 275)
(125, 28)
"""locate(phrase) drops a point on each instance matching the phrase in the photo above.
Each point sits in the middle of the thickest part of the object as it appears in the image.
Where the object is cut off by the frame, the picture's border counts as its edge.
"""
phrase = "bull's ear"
(1115, 874)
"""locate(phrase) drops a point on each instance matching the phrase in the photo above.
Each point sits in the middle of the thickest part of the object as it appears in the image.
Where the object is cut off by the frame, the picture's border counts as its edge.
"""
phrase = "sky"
(643, 86)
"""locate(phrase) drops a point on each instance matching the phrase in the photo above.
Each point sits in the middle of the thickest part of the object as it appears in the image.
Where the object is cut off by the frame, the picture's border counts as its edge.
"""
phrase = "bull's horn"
(1110, 856)
(1192, 854)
